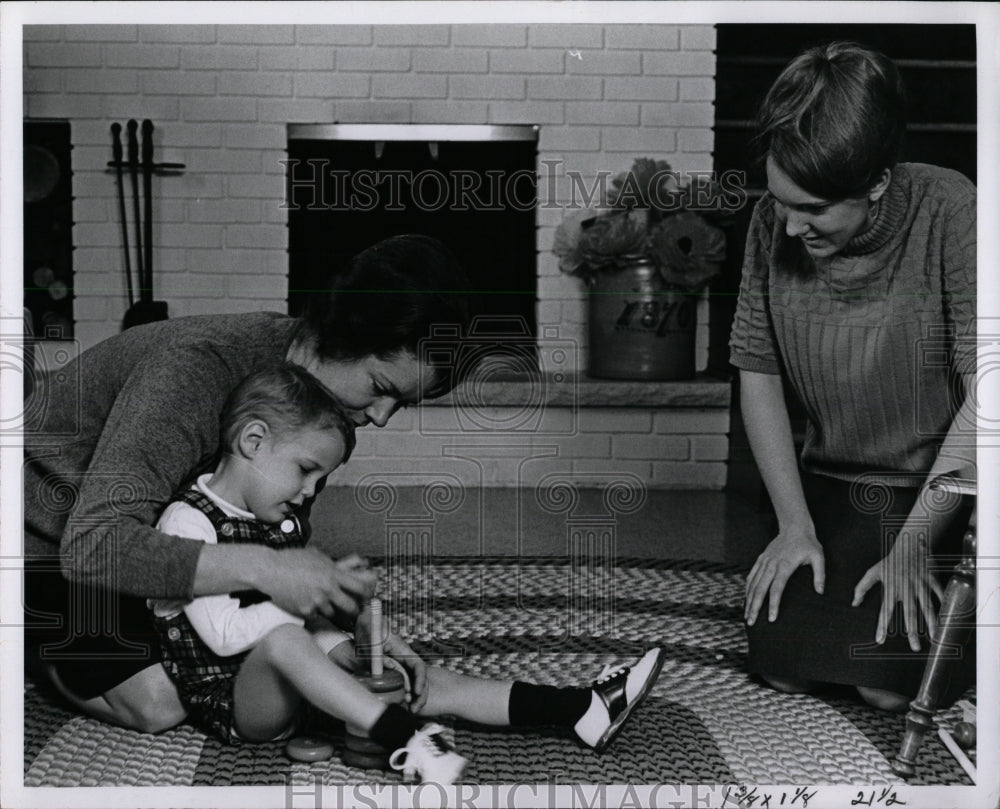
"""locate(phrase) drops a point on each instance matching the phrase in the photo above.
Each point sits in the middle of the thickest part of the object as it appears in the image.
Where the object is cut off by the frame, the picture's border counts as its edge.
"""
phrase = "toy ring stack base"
(359, 749)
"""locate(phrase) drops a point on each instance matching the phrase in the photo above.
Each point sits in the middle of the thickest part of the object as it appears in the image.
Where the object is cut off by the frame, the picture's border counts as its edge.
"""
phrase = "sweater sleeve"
(162, 425)
(751, 343)
(958, 277)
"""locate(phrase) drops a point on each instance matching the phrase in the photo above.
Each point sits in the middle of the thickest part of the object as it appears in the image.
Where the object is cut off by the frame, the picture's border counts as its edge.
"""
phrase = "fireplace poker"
(116, 154)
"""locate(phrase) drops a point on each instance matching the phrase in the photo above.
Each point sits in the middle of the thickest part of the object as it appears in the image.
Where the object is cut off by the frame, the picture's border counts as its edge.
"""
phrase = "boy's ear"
(252, 438)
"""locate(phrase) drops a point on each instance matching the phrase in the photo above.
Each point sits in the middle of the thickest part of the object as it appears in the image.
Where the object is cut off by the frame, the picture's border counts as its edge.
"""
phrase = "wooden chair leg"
(955, 624)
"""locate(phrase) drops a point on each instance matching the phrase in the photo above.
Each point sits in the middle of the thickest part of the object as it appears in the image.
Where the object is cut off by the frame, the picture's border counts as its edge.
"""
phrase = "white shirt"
(225, 627)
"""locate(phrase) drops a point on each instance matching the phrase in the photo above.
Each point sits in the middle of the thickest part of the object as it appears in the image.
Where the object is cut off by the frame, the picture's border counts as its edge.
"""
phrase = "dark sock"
(394, 727)
(547, 705)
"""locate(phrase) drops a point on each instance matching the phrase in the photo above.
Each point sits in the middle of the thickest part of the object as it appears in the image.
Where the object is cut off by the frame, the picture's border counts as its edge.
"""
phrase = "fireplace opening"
(472, 187)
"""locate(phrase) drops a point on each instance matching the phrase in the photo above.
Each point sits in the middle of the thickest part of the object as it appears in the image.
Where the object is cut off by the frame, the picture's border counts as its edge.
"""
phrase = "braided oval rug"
(546, 620)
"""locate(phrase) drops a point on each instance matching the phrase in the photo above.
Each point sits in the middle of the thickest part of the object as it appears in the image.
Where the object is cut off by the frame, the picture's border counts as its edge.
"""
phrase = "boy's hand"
(400, 650)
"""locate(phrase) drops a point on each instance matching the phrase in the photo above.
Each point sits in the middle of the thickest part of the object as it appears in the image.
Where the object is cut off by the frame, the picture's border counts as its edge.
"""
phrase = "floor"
(720, 527)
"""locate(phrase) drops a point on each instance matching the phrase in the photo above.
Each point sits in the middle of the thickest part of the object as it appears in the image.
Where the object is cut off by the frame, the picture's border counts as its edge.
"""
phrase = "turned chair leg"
(953, 630)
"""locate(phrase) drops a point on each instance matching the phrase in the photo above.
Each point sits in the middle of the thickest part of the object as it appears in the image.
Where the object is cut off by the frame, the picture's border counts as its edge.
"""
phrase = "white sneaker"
(429, 755)
(616, 694)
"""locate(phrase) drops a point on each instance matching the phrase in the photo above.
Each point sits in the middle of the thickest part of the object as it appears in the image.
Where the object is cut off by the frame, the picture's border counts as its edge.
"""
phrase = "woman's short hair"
(389, 299)
(287, 398)
(834, 119)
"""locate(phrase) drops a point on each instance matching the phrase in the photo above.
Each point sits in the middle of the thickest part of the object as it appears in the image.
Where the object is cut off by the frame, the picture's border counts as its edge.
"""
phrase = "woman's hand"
(905, 578)
(305, 581)
(781, 558)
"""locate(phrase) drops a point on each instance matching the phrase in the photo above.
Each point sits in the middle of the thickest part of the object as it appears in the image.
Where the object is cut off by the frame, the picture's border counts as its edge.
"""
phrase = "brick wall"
(220, 97)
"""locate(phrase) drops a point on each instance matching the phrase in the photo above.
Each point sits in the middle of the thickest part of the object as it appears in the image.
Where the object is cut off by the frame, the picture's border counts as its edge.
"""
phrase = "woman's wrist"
(225, 568)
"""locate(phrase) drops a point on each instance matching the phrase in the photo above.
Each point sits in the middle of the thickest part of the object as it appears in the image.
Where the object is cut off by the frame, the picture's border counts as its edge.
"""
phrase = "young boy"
(243, 665)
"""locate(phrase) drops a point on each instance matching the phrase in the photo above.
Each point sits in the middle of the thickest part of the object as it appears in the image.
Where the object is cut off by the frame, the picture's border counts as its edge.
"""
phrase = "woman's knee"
(147, 702)
(789, 685)
(884, 700)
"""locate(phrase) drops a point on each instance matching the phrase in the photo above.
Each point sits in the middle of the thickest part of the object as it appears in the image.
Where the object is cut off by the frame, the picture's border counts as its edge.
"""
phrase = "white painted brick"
(714, 420)
(603, 471)
(49, 80)
(192, 285)
(565, 88)
(91, 210)
(418, 35)
(570, 138)
(219, 109)
(650, 447)
(678, 114)
(577, 446)
(286, 111)
(697, 89)
(190, 235)
(51, 105)
(100, 33)
(710, 447)
(255, 84)
(607, 63)
(453, 60)
(334, 86)
(215, 306)
(265, 187)
(526, 112)
(401, 421)
(200, 135)
(697, 37)
(520, 61)
(388, 112)
(533, 472)
(61, 55)
(202, 34)
(42, 33)
(170, 210)
(640, 88)
(190, 187)
(490, 36)
(301, 57)
(223, 211)
(641, 37)
(466, 111)
(689, 475)
(373, 60)
(248, 236)
(244, 261)
(157, 82)
(101, 81)
(628, 139)
(404, 445)
(695, 140)
(142, 56)
(253, 136)
(574, 312)
(333, 35)
(549, 312)
(412, 86)
(257, 34)
(682, 63)
(614, 420)
(94, 234)
(88, 308)
(486, 87)
(616, 113)
(220, 57)
(161, 109)
(268, 287)
(569, 37)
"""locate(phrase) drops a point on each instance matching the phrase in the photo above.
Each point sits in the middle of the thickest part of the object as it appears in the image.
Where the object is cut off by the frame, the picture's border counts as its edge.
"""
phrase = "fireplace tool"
(145, 310)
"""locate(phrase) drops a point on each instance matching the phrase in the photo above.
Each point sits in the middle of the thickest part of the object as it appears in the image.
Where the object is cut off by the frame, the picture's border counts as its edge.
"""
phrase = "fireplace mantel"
(579, 390)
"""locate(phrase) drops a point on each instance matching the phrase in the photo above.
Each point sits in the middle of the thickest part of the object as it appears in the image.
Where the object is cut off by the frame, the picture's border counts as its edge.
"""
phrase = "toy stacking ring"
(309, 748)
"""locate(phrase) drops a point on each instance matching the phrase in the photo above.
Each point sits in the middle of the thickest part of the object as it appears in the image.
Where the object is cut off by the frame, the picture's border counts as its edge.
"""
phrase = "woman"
(103, 460)
(858, 292)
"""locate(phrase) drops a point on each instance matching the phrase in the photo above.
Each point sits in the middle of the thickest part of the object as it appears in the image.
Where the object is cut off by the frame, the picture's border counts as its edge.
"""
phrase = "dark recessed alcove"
(474, 188)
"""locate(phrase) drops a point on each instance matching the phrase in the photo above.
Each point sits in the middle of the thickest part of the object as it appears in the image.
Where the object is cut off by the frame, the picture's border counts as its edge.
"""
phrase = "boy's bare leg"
(472, 698)
(286, 666)
(147, 701)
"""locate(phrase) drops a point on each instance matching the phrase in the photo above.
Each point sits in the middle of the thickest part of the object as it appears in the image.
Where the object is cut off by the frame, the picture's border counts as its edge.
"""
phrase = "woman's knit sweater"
(876, 341)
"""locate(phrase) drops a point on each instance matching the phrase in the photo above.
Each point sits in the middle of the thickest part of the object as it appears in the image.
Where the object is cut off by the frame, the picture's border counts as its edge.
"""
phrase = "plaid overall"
(203, 678)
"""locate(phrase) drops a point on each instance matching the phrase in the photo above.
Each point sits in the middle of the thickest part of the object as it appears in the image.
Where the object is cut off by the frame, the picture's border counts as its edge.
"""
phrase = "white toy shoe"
(428, 755)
